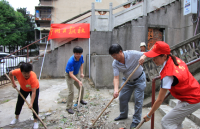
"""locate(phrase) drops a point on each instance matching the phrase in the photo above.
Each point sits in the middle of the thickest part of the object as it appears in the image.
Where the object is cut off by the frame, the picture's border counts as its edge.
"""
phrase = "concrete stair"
(190, 122)
(195, 116)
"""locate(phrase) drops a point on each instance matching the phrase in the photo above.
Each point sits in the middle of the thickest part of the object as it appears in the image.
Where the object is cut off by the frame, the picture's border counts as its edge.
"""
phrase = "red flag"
(79, 30)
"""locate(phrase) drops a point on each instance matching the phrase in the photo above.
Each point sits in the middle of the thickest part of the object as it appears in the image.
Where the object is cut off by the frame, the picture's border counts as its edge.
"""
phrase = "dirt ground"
(52, 105)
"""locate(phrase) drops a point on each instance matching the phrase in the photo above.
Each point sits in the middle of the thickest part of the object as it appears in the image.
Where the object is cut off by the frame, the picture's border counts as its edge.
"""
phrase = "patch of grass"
(64, 120)
(87, 95)
(70, 126)
(94, 104)
(41, 125)
(5, 102)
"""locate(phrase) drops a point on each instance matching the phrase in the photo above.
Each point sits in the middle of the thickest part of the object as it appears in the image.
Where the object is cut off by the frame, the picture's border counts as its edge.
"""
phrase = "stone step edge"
(195, 116)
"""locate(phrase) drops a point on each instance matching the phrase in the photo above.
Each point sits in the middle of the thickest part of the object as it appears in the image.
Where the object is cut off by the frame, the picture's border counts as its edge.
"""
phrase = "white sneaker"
(36, 125)
(14, 121)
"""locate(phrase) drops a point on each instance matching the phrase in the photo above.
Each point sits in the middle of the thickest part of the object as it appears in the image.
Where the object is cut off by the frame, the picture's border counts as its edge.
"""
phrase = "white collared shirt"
(167, 81)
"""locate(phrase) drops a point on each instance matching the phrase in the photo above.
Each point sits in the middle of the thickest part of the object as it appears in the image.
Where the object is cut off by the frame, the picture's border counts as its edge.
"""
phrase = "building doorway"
(155, 34)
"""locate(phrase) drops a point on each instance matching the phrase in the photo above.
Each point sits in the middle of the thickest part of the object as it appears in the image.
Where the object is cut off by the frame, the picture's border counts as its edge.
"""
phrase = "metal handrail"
(26, 47)
(2, 82)
(153, 90)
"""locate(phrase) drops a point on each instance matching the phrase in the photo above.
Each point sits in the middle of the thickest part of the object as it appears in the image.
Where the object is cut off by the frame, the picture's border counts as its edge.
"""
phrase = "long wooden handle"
(79, 99)
(118, 91)
(27, 102)
(141, 123)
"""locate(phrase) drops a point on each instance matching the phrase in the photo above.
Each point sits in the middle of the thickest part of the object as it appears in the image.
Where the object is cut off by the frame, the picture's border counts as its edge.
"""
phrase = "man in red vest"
(176, 78)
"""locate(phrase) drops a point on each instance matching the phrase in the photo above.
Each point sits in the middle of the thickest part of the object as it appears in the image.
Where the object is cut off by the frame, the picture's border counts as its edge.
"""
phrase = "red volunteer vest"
(188, 88)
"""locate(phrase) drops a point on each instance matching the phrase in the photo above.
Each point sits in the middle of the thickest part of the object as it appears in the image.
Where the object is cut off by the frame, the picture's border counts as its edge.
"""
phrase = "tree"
(29, 29)
(7, 24)
(16, 28)
(28, 26)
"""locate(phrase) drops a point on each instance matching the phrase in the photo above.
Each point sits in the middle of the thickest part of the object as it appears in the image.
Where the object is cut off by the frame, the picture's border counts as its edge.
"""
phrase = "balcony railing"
(44, 17)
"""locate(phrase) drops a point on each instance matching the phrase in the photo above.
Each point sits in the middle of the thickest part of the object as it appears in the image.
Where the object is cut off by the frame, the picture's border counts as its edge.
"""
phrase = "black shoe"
(133, 125)
(83, 102)
(70, 111)
(120, 118)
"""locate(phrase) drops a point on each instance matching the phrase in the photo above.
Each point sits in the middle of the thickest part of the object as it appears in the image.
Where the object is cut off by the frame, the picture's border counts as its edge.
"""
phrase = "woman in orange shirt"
(29, 84)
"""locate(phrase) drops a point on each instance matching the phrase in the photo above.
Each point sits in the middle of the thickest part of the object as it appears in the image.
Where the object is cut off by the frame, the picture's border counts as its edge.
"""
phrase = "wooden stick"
(79, 96)
(118, 92)
(26, 102)
(141, 123)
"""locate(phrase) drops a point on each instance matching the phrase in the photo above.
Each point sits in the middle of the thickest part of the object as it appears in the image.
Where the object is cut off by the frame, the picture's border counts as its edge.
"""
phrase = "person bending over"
(126, 62)
(29, 84)
(176, 78)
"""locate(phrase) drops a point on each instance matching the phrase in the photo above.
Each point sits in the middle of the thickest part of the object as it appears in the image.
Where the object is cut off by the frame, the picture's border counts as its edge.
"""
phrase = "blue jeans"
(138, 87)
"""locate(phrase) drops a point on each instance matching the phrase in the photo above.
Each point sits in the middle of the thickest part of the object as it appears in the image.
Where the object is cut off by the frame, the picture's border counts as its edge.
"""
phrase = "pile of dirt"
(87, 114)
(83, 118)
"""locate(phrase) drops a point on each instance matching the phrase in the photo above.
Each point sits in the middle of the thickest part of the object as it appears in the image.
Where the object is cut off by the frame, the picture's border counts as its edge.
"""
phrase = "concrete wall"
(42, 2)
(155, 4)
(101, 72)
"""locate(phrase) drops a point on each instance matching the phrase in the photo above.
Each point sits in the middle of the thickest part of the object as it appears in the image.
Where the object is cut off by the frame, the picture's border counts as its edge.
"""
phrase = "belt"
(138, 77)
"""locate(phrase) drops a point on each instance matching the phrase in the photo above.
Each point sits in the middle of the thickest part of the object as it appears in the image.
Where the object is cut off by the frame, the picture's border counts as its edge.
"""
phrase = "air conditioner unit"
(190, 7)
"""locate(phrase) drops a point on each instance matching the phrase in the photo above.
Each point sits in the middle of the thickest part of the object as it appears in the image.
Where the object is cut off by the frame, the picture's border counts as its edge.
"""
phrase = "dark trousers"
(20, 102)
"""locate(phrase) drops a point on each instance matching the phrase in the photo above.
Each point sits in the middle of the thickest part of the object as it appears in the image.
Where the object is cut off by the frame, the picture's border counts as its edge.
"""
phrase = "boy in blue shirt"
(74, 63)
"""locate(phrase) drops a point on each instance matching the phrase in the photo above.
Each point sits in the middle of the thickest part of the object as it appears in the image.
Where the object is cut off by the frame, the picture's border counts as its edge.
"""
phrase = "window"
(42, 36)
(98, 0)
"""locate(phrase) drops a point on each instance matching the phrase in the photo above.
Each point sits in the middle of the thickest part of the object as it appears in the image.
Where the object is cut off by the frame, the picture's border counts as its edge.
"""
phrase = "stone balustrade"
(187, 50)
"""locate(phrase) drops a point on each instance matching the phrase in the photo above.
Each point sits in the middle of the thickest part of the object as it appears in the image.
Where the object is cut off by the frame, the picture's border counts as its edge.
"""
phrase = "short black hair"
(78, 49)
(26, 67)
(115, 49)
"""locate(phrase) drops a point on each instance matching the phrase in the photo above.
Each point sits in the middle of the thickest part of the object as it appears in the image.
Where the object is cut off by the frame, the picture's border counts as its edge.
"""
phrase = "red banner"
(79, 30)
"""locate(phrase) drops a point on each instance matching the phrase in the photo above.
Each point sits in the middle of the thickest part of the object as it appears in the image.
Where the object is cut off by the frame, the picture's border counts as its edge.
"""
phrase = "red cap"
(159, 48)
